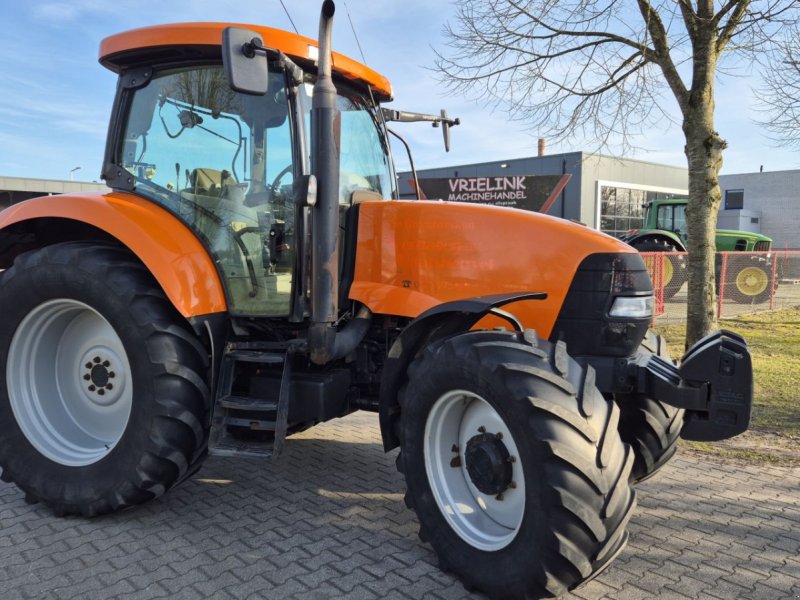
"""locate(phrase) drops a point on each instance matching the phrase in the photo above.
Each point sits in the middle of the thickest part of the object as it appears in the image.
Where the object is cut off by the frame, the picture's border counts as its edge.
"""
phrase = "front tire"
(650, 426)
(513, 464)
(103, 401)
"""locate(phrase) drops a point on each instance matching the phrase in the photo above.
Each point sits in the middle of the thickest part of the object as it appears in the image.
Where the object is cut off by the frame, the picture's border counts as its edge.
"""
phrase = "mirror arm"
(410, 160)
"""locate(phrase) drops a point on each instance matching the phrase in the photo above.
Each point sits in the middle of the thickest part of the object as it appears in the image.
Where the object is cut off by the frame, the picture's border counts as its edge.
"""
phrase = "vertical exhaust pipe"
(325, 132)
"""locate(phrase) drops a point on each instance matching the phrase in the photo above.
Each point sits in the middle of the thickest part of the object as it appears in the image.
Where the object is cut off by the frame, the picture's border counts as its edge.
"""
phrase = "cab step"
(240, 425)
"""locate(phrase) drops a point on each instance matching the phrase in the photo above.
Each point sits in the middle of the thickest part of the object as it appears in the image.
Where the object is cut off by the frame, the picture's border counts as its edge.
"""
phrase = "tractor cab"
(225, 162)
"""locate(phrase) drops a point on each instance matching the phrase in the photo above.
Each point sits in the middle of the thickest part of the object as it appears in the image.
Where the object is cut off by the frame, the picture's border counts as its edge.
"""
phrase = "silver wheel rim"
(484, 521)
(69, 382)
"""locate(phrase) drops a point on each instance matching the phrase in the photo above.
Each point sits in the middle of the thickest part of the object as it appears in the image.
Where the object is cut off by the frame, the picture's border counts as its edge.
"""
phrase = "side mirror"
(244, 61)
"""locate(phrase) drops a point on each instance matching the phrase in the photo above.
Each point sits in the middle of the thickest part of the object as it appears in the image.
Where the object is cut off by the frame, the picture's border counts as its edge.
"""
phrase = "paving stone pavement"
(328, 521)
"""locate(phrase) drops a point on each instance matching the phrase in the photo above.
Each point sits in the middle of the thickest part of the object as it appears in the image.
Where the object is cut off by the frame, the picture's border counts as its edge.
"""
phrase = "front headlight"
(637, 307)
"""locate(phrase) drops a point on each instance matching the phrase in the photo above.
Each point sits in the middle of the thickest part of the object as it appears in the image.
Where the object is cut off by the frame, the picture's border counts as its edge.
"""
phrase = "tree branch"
(725, 35)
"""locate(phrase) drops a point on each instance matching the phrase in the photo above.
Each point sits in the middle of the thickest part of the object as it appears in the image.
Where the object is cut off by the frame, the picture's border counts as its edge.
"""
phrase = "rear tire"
(650, 426)
(103, 401)
(564, 519)
(750, 284)
(674, 266)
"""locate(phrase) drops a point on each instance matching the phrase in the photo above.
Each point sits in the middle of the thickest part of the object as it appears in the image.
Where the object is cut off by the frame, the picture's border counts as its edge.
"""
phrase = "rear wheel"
(650, 426)
(674, 272)
(750, 284)
(103, 401)
(513, 464)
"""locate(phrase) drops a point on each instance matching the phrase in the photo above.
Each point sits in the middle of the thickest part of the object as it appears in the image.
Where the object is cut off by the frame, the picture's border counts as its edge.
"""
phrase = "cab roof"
(186, 42)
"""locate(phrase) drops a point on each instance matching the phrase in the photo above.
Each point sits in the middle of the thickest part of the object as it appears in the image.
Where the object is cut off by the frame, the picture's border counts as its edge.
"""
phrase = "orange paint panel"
(210, 34)
(413, 255)
(171, 252)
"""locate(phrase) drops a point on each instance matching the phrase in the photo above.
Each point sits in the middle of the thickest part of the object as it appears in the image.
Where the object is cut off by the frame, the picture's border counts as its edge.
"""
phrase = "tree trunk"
(703, 149)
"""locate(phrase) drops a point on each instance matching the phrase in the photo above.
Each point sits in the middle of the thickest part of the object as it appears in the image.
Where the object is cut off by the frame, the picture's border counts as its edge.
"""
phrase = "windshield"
(365, 164)
(222, 161)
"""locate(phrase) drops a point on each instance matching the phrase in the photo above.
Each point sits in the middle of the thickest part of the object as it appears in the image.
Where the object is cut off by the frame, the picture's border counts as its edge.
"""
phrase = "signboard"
(528, 192)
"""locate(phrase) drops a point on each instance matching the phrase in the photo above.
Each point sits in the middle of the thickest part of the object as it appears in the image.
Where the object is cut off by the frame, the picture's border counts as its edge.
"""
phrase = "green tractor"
(748, 279)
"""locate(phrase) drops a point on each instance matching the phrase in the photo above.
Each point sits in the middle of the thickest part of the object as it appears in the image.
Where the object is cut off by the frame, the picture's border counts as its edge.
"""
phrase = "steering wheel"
(275, 185)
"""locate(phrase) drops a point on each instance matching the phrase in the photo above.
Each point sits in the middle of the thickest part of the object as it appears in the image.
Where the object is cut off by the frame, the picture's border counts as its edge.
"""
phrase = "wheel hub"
(488, 463)
(100, 381)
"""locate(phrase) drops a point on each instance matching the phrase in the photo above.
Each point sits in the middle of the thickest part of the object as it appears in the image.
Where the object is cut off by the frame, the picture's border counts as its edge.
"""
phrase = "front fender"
(166, 246)
(436, 323)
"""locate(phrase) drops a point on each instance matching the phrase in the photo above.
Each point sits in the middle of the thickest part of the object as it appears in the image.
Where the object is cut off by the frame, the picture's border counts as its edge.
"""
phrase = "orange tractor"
(253, 273)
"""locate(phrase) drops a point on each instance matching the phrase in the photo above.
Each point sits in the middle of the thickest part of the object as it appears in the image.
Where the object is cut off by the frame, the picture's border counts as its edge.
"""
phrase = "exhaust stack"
(325, 130)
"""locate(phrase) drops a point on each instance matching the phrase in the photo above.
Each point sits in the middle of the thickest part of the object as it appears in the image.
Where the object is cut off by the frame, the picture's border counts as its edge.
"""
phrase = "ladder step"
(242, 403)
(254, 424)
(256, 356)
(249, 449)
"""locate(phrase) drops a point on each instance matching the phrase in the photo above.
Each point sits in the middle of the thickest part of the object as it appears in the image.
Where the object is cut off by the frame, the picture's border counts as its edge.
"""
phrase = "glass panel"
(222, 161)
(679, 220)
(608, 196)
(364, 156)
(734, 199)
(664, 217)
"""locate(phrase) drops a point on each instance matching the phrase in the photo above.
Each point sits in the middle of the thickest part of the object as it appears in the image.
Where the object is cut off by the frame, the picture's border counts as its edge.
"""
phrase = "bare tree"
(780, 97)
(603, 68)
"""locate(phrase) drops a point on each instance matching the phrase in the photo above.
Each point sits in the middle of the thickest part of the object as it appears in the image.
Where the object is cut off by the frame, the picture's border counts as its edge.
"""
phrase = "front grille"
(584, 322)
(763, 246)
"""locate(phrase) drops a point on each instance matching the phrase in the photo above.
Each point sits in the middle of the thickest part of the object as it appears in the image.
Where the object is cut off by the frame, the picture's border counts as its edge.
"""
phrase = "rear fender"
(163, 243)
(437, 323)
(666, 236)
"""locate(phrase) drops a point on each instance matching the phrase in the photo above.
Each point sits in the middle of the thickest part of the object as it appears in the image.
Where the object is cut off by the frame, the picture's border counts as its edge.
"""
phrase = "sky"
(55, 98)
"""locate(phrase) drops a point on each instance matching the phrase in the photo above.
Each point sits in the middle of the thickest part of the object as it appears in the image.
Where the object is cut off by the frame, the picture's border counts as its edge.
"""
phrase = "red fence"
(746, 282)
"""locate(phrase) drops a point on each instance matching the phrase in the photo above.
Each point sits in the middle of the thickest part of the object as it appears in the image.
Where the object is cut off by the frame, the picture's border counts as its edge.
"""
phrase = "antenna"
(355, 35)
(290, 17)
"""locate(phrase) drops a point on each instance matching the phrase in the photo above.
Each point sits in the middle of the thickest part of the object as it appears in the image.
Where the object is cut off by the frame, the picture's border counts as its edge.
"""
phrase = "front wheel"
(650, 426)
(103, 401)
(513, 464)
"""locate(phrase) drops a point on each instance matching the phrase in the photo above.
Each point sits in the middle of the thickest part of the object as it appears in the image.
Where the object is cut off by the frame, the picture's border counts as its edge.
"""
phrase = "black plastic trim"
(348, 249)
(584, 322)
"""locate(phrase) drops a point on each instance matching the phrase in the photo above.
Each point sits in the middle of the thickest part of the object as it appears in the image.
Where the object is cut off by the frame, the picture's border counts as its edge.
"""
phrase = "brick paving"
(327, 521)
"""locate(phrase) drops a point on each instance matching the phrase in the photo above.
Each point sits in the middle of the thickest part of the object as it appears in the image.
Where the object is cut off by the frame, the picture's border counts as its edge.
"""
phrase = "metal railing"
(747, 282)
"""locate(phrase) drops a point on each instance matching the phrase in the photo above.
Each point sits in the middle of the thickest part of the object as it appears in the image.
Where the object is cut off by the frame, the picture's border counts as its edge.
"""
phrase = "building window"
(734, 199)
(622, 209)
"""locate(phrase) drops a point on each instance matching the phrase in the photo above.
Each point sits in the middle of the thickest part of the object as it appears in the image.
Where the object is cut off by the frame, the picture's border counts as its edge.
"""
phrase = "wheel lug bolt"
(499, 435)
(513, 485)
(456, 462)
(454, 448)
(106, 363)
(109, 386)
(88, 365)
(92, 388)
(96, 359)
(87, 377)
(482, 429)
(499, 496)
(512, 459)
(111, 374)
(101, 391)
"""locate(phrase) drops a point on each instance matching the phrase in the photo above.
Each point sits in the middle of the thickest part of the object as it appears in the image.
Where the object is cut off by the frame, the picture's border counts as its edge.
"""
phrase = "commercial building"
(767, 203)
(608, 193)
(603, 192)
(17, 189)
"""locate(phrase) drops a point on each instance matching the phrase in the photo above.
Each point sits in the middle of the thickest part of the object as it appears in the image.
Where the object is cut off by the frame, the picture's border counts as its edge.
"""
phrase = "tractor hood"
(413, 255)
